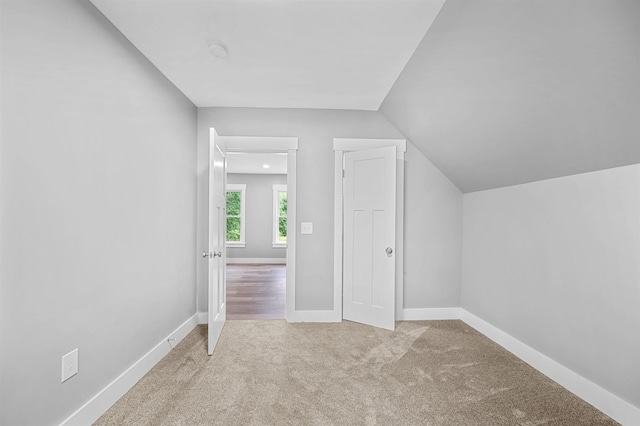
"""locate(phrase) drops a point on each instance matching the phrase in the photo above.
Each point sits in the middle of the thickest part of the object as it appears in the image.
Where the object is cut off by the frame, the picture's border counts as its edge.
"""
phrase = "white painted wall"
(432, 219)
(258, 217)
(97, 207)
(556, 264)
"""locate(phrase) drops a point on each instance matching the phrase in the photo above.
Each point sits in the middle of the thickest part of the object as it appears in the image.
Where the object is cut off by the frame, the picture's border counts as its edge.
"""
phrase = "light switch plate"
(306, 227)
(69, 365)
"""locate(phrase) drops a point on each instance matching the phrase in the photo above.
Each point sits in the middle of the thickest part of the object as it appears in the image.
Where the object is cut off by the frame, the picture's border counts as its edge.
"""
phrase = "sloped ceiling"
(336, 54)
(504, 92)
(497, 93)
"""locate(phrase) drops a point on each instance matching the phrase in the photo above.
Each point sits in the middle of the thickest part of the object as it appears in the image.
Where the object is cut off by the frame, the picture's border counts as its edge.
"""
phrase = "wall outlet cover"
(306, 227)
(69, 365)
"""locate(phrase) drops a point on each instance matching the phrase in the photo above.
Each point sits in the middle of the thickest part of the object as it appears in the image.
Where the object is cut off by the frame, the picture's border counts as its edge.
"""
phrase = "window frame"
(277, 189)
(242, 189)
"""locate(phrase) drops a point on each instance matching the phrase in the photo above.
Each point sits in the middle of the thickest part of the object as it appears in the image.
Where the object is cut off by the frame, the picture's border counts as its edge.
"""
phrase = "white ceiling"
(497, 93)
(335, 54)
(254, 162)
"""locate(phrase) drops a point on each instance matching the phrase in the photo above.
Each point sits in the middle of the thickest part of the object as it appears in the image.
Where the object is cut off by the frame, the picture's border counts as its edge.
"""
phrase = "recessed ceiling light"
(218, 50)
(265, 166)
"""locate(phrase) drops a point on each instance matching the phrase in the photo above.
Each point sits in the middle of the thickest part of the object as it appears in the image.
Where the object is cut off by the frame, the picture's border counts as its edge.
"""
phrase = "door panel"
(377, 277)
(369, 230)
(217, 240)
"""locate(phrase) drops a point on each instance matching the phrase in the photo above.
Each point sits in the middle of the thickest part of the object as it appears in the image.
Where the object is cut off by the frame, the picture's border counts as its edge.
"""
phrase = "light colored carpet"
(274, 373)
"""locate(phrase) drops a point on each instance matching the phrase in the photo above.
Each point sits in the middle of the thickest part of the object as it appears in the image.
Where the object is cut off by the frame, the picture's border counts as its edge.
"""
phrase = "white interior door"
(369, 237)
(216, 256)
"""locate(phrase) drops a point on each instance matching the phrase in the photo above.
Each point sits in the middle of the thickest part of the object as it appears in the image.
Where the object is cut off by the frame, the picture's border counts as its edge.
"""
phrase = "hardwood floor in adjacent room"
(256, 292)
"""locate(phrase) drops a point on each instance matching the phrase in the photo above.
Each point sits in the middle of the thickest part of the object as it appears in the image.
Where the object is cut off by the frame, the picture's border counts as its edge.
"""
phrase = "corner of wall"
(433, 234)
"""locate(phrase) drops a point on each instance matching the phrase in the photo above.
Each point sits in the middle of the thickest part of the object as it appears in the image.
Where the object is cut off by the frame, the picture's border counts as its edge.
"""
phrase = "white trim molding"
(610, 404)
(260, 143)
(605, 401)
(355, 144)
(235, 244)
(103, 400)
(292, 199)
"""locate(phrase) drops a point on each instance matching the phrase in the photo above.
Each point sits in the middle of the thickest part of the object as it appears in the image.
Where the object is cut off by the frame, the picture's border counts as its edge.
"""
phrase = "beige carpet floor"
(274, 373)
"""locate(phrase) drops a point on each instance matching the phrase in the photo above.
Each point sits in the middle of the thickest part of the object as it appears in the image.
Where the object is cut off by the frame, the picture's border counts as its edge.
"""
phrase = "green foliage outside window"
(233, 216)
(233, 203)
(282, 219)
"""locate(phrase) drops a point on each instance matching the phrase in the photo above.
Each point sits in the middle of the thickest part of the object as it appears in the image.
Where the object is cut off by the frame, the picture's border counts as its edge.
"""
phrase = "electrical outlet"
(306, 227)
(69, 365)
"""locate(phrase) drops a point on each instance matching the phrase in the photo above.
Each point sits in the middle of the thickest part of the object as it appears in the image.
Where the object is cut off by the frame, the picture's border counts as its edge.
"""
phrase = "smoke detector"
(218, 50)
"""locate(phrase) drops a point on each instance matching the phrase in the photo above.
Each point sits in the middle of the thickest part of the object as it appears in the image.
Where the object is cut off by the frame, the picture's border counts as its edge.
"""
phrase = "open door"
(369, 188)
(216, 255)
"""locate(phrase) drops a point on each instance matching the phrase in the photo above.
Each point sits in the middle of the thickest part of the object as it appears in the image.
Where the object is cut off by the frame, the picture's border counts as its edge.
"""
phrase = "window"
(235, 215)
(279, 215)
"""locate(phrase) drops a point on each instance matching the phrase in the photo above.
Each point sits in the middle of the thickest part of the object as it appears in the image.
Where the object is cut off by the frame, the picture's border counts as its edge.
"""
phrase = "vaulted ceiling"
(503, 92)
(333, 54)
(493, 92)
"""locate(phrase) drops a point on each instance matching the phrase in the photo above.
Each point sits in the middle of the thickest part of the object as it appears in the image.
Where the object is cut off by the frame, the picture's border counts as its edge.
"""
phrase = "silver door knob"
(205, 254)
(218, 254)
(389, 250)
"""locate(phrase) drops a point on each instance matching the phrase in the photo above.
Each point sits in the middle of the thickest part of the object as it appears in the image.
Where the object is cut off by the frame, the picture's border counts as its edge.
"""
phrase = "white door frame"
(340, 146)
(288, 145)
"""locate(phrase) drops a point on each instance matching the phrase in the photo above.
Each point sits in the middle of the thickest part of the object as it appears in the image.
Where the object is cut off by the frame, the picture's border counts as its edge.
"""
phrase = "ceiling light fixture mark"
(218, 50)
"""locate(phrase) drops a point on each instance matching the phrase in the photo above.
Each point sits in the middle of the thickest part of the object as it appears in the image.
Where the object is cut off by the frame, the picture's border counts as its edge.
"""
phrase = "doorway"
(256, 291)
(280, 274)
(257, 204)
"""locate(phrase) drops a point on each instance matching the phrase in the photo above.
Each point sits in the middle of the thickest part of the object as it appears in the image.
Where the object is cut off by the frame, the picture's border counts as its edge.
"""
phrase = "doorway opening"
(257, 213)
(259, 282)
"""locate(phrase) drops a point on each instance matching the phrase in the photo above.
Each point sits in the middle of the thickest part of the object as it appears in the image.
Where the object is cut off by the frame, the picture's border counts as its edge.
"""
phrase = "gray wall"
(556, 264)
(432, 235)
(433, 218)
(97, 207)
(258, 217)
(505, 92)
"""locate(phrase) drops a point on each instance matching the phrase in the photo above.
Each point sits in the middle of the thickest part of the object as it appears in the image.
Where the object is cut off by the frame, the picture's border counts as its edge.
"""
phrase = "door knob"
(212, 254)
(389, 250)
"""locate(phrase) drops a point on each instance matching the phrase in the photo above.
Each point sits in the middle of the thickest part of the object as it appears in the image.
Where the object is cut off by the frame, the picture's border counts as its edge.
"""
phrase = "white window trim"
(241, 188)
(277, 189)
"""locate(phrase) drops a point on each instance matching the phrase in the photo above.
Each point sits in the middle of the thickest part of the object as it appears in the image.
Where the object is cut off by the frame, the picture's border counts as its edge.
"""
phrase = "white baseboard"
(418, 314)
(316, 316)
(257, 260)
(100, 403)
(613, 406)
